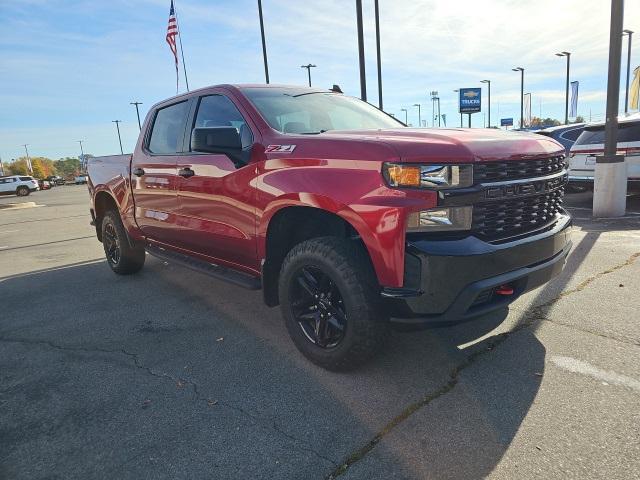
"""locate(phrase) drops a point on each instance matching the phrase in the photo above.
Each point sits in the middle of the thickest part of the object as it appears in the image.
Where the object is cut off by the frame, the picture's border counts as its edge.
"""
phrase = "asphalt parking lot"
(171, 374)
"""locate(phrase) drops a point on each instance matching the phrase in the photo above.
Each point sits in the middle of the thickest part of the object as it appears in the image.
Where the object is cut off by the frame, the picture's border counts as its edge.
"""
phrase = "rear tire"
(22, 191)
(121, 257)
(330, 301)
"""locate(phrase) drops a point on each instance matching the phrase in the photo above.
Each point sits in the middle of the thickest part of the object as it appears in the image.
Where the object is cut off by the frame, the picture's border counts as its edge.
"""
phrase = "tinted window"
(219, 111)
(627, 132)
(26, 179)
(166, 136)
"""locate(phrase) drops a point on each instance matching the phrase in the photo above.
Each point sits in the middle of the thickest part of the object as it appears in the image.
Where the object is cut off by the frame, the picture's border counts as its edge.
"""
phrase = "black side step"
(222, 273)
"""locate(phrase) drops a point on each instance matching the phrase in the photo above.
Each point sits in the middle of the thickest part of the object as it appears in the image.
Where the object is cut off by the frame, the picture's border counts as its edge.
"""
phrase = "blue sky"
(70, 67)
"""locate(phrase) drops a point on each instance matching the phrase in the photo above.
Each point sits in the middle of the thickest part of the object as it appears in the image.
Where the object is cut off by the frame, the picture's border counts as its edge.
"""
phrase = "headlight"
(435, 177)
(440, 219)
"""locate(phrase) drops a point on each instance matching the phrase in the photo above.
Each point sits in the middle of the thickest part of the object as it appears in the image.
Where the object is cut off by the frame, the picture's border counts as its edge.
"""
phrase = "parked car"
(565, 134)
(44, 185)
(344, 217)
(55, 180)
(80, 179)
(18, 185)
(590, 143)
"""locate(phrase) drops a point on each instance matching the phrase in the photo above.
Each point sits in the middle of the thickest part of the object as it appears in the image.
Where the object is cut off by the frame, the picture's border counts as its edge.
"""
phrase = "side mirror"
(225, 140)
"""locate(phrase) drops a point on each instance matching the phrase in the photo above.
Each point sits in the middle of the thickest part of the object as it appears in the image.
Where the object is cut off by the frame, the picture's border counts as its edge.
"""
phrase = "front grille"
(512, 217)
(504, 171)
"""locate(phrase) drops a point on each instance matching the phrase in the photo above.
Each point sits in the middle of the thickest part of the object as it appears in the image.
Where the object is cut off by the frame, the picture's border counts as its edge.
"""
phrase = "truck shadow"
(210, 358)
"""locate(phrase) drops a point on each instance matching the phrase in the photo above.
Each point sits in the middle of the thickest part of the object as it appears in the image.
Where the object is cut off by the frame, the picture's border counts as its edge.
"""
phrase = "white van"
(590, 143)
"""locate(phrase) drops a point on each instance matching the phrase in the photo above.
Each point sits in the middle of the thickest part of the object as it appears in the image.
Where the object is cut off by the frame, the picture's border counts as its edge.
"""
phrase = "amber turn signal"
(404, 175)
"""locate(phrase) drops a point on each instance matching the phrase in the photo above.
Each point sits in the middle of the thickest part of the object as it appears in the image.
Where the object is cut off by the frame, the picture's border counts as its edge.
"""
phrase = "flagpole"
(184, 65)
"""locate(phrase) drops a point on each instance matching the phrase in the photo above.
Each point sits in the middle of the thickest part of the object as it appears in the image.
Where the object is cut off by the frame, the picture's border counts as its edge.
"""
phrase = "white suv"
(18, 185)
(590, 143)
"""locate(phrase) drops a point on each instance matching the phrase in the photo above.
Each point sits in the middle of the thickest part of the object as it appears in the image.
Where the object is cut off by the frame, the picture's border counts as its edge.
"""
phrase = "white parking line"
(4, 246)
(578, 366)
(8, 231)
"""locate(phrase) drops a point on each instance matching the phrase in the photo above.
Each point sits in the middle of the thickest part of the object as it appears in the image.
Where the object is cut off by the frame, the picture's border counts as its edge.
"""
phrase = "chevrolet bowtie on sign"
(470, 100)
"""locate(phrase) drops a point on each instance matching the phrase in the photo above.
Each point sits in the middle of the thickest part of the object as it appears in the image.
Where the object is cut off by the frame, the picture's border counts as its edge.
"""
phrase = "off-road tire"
(130, 259)
(346, 263)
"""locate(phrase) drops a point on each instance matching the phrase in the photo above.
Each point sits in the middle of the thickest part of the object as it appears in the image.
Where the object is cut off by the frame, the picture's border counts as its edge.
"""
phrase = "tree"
(543, 123)
(18, 167)
(67, 167)
(38, 171)
(579, 119)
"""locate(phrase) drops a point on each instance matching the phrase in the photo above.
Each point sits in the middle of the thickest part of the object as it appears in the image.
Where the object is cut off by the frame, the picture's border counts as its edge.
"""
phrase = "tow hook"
(504, 290)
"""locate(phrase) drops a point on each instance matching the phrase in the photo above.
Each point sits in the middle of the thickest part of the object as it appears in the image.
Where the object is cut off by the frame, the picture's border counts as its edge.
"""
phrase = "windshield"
(307, 112)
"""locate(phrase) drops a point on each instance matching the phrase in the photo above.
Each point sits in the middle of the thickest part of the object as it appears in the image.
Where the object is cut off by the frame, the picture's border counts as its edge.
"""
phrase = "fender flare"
(327, 204)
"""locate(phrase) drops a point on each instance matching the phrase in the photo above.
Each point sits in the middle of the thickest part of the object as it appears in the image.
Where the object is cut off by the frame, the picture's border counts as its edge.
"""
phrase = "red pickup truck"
(346, 218)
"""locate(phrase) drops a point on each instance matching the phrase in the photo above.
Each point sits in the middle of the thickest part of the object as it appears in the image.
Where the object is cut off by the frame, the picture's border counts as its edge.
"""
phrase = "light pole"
(488, 82)
(117, 122)
(308, 67)
(264, 45)
(458, 102)
(521, 70)
(437, 99)
(626, 94)
(377, 17)
(363, 77)
(434, 97)
(566, 99)
(82, 164)
(406, 117)
(137, 112)
(28, 157)
(610, 183)
(419, 115)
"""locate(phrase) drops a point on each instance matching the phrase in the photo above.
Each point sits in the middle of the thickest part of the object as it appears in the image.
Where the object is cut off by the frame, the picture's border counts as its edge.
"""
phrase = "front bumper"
(451, 281)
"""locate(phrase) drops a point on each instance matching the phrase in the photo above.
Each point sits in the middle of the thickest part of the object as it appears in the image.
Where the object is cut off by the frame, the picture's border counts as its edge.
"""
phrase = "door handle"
(186, 172)
(138, 172)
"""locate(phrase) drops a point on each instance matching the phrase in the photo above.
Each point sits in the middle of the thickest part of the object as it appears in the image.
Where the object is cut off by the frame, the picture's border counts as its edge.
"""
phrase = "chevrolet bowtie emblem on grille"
(529, 188)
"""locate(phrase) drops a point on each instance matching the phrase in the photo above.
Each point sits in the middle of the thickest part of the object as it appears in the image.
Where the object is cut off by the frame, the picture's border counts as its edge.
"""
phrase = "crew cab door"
(154, 177)
(215, 194)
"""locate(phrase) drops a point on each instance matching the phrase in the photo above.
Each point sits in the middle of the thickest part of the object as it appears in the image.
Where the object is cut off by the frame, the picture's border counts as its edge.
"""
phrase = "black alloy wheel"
(329, 297)
(111, 244)
(318, 307)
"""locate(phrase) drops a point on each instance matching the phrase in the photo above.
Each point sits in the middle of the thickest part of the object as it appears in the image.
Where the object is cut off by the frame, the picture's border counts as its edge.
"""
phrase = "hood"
(456, 144)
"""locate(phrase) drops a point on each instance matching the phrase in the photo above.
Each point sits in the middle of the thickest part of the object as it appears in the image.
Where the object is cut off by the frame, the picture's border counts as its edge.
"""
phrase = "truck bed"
(103, 170)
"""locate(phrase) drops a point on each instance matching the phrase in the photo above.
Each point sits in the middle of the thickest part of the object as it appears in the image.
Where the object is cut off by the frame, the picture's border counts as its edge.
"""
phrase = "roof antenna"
(336, 89)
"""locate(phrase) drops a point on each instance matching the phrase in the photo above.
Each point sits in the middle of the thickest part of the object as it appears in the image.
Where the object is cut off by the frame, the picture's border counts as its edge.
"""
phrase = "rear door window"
(168, 129)
(627, 132)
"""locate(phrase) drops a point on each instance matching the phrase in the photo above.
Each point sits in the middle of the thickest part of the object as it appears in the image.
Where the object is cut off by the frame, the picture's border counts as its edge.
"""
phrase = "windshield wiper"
(307, 93)
(313, 133)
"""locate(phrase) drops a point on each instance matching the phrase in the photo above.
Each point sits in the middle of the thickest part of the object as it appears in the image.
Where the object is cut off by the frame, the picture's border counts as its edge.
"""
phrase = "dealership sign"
(506, 122)
(469, 100)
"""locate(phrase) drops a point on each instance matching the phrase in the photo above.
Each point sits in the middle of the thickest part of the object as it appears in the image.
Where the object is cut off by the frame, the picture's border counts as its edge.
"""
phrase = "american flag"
(172, 31)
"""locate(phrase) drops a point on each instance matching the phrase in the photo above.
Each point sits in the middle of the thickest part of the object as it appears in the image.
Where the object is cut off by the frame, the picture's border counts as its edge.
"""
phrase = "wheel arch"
(291, 223)
(102, 203)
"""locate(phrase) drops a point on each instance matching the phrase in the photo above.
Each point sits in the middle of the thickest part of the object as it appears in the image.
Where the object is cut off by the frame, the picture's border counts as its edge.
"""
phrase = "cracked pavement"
(171, 374)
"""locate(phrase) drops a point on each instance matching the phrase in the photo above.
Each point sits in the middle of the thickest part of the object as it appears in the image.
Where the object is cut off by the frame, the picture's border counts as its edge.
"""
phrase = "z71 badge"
(280, 149)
